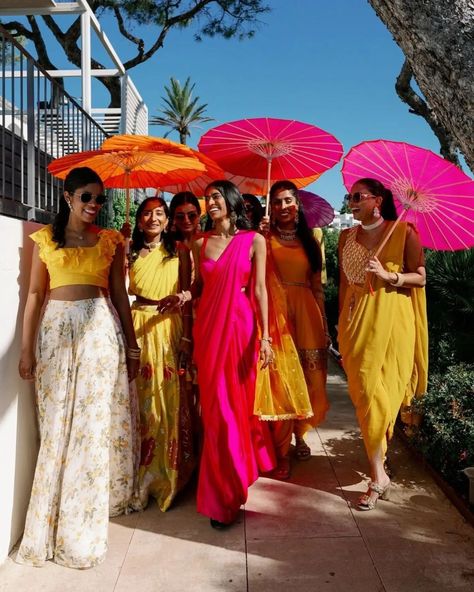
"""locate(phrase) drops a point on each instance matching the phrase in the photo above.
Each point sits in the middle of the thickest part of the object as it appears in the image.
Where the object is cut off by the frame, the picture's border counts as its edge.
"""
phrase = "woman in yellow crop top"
(158, 268)
(79, 361)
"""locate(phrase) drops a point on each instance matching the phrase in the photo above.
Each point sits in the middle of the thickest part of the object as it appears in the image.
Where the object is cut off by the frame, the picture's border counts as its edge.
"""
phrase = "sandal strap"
(376, 488)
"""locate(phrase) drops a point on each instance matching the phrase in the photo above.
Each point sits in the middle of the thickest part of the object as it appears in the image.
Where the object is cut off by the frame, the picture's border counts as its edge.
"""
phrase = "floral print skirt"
(167, 451)
(84, 471)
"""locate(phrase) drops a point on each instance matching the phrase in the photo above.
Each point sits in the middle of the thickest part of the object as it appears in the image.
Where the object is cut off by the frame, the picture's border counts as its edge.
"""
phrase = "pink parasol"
(317, 211)
(429, 191)
(272, 149)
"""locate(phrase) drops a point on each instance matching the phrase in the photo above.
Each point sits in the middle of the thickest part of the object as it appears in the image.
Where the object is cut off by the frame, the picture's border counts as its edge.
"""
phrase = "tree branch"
(418, 106)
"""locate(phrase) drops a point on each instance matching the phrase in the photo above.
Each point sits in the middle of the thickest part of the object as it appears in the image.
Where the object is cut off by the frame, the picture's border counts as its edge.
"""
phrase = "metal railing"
(39, 121)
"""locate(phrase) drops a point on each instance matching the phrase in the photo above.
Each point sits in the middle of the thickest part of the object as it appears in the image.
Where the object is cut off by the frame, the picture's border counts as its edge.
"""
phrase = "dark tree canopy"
(437, 38)
(207, 18)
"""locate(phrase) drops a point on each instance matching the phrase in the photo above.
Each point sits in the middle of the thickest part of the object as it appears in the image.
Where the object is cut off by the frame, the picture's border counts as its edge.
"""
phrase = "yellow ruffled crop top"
(69, 266)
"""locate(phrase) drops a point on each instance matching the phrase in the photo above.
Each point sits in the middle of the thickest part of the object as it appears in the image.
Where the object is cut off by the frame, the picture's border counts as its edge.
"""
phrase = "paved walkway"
(302, 535)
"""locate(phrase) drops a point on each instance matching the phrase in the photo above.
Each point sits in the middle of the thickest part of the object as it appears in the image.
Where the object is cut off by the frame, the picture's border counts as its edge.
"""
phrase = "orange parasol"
(134, 166)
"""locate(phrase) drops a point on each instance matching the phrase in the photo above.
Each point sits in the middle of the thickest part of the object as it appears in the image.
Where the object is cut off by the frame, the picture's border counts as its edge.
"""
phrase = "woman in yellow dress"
(298, 327)
(157, 269)
(382, 322)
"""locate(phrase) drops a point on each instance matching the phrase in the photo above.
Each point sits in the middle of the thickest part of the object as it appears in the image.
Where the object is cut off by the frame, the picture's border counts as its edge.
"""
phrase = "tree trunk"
(437, 38)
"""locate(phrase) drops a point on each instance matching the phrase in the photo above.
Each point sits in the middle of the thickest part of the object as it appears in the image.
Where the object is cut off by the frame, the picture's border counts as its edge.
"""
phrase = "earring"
(233, 219)
(69, 204)
(297, 217)
(376, 212)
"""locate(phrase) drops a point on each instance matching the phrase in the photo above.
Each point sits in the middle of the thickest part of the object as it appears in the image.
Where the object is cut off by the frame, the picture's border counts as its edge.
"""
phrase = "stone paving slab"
(300, 535)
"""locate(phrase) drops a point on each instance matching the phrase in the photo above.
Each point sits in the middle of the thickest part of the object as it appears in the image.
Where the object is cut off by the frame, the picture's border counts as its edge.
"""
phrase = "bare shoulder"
(258, 240)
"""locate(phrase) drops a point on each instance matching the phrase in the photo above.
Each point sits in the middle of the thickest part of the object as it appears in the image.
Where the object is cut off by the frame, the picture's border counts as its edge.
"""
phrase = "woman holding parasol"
(382, 321)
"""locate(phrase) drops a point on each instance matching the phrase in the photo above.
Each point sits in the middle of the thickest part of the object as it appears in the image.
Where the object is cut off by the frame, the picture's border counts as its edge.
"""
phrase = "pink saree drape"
(236, 443)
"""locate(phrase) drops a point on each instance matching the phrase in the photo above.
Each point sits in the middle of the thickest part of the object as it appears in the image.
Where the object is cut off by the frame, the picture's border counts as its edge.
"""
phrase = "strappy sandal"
(283, 470)
(366, 502)
(302, 450)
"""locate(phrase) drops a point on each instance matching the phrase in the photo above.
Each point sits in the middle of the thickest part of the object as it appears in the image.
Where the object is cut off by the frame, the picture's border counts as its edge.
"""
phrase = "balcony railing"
(39, 121)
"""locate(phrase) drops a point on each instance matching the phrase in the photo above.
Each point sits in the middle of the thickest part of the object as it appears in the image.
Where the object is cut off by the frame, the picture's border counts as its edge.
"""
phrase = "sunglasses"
(248, 207)
(191, 216)
(357, 197)
(99, 199)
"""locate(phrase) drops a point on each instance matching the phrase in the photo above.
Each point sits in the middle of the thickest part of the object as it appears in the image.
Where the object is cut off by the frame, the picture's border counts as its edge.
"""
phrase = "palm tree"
(180, 111)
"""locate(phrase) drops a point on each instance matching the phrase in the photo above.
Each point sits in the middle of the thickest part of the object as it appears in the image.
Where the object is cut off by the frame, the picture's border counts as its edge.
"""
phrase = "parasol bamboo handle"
(389, 233)
(269, 182)
(382, 245)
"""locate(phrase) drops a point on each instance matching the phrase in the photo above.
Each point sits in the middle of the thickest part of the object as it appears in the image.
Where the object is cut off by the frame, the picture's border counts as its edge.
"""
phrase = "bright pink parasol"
(429, 191)
(272, 149)
(317, 211)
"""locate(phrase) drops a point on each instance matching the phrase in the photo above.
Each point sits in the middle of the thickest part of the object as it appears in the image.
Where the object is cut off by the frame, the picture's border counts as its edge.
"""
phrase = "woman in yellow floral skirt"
(157, 269)
(86, 457)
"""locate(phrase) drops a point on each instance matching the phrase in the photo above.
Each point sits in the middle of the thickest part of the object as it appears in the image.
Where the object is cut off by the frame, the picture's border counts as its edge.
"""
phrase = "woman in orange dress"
(298, 378)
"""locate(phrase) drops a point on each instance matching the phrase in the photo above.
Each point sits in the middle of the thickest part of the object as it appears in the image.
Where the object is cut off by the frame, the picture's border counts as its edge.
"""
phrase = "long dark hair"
(76, 178)
(387, 209)
(180, 199)
(303, 231)
(138, 237)
(234, 202)
(257, 209)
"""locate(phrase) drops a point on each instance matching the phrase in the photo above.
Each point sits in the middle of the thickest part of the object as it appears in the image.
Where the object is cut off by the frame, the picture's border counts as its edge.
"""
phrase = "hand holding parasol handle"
(384, 242)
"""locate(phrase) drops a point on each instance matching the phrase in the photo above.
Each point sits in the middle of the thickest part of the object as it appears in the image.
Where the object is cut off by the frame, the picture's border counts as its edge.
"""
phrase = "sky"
(328, 63)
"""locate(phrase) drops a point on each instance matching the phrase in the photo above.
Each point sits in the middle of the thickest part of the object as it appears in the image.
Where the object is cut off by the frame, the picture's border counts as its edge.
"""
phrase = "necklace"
(286, 235)
(376, 224)
(77, 235)
(150, 246)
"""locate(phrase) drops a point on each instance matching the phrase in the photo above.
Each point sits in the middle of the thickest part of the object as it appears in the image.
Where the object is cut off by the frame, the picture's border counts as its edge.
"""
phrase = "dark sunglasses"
(182, 215)
(357, 197)
(99, 199)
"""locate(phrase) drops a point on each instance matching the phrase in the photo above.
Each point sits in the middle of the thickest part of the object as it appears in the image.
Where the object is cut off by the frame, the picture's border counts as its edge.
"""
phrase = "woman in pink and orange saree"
(230, 271)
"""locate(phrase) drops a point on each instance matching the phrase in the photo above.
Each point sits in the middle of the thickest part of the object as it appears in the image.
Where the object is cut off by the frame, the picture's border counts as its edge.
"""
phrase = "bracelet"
(269, 339)
(398, 283)
(184, 296)
(186, 339)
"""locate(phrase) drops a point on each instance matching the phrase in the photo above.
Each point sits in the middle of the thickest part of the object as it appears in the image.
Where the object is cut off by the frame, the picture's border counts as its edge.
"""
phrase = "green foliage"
(450, 285)
(181, 111)
(331, 239)
(117, 218)
(345, 209)
(9, 54)
(446, 435)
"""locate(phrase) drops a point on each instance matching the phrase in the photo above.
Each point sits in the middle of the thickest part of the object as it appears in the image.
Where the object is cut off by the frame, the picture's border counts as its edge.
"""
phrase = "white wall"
(18, 431)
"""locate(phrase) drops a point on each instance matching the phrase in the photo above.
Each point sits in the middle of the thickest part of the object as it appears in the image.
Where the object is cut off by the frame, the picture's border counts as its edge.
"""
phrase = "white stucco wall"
(18, 431)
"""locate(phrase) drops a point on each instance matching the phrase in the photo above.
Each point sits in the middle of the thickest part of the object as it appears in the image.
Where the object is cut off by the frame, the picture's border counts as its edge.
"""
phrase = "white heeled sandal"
(367, 503)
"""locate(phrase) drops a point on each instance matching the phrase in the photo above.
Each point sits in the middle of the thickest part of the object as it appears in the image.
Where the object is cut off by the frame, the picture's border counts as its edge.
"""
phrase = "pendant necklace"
(150, 246)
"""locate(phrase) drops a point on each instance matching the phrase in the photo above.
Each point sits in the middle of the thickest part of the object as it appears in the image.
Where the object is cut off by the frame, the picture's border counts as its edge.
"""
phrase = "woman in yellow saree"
(382, 322)
(293, 392)
(158, 268)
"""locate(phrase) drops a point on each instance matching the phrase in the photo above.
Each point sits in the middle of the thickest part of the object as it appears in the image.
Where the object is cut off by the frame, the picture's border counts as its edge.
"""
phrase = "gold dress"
(296, 385)
(383, 335)
(167, 459)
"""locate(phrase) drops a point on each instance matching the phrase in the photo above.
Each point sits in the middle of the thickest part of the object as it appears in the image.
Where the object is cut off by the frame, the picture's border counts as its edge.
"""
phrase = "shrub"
(446, 436)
